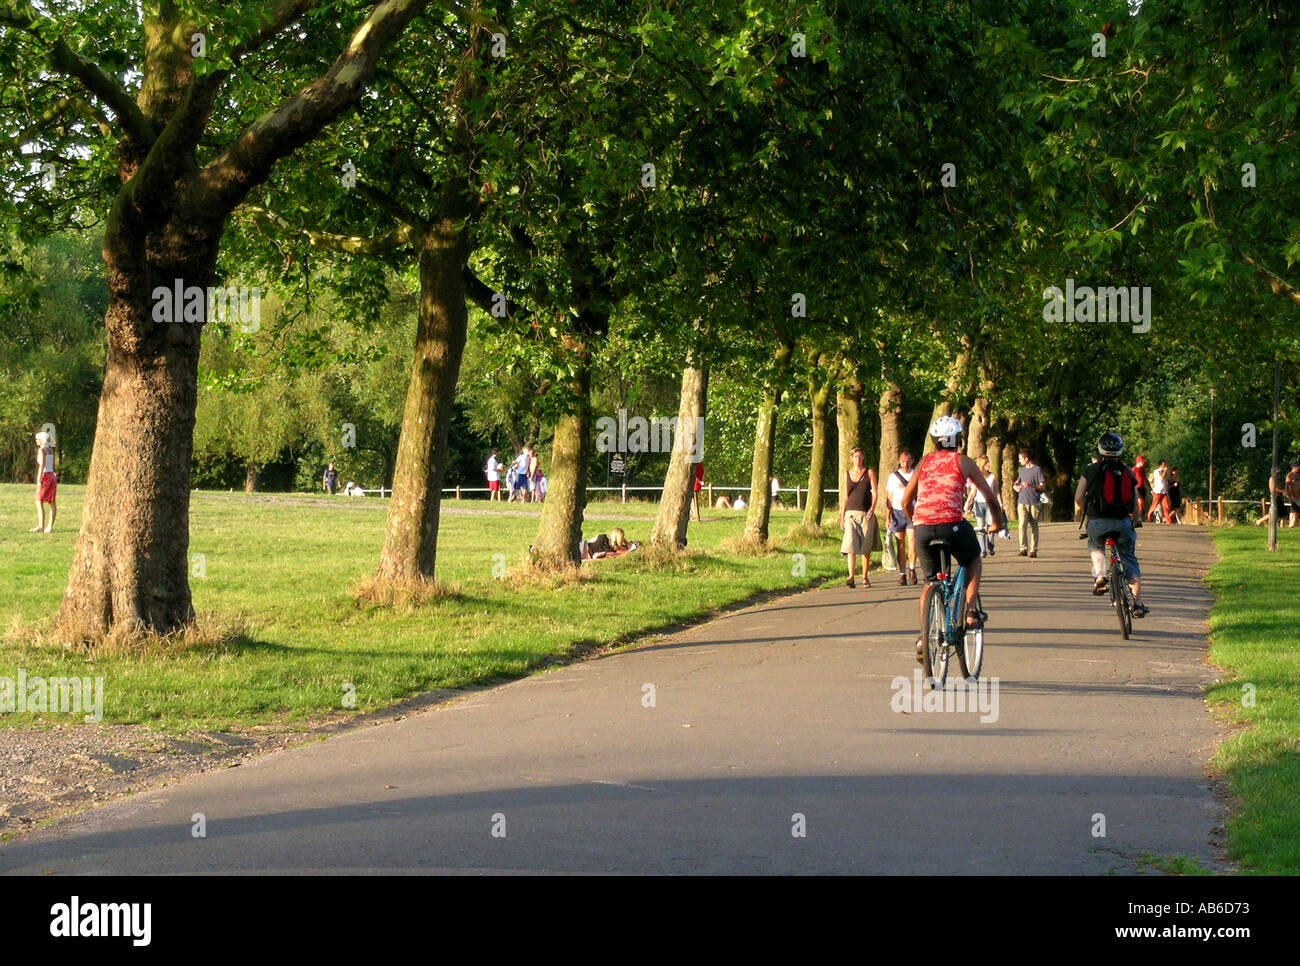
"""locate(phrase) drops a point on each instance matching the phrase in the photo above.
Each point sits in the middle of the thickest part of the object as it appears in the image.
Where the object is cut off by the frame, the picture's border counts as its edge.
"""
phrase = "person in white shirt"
(900, 527)
(976, 505)
(1160, 492)
(493, 470)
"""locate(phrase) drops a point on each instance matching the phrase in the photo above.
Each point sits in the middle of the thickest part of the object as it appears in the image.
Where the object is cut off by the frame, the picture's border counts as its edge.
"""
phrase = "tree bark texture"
(410, 547)
(560, 529)
(673, 518)
(819, 391)
(760, 479)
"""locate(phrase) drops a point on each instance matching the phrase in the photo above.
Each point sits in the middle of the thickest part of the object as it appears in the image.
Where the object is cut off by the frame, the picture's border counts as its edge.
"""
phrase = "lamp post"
(1211, 500)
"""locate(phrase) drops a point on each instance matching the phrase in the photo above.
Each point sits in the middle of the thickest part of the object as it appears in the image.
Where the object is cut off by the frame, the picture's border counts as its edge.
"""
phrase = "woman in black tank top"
(856, 510)
(859, 493)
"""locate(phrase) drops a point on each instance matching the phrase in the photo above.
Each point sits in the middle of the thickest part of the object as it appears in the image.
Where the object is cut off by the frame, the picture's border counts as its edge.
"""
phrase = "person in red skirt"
(47, 482)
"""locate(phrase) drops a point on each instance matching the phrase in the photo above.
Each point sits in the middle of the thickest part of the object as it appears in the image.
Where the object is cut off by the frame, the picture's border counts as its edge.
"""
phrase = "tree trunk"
(848, 419)
(1010, 464)
(252, 477)
(675, 506)
(819, 391)
(993, 450)
(130, 566)
(891, 419)
(977, 438)
(411, 532)
(760, 478)
(1061, 481)
(560, 529)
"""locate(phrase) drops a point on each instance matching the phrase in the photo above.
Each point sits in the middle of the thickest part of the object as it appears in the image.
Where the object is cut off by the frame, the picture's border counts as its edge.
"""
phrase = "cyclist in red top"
(938, 489)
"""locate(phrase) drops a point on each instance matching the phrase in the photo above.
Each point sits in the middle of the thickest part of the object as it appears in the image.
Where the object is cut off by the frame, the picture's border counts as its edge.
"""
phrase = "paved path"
(757, 716)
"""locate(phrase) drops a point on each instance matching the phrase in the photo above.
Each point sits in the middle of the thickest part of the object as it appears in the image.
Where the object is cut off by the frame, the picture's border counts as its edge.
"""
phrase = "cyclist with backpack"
(1107, 494)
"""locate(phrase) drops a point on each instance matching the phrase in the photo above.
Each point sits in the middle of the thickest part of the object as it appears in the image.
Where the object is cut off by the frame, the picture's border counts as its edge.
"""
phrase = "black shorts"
(960, 537)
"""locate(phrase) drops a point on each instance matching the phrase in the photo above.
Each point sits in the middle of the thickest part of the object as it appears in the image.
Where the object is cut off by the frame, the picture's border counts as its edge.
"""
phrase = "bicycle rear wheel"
(971, 653)
(933, 639)
(1118, 597)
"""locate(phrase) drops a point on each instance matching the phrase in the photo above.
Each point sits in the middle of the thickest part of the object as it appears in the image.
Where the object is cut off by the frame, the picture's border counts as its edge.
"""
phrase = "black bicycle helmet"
(1110, 444)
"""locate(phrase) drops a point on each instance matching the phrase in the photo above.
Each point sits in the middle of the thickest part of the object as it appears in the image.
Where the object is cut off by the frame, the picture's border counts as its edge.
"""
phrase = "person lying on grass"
(614, 545)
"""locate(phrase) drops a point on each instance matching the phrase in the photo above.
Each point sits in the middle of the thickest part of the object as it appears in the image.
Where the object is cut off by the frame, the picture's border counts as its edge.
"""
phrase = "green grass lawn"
(1255, 634)
(285, 565)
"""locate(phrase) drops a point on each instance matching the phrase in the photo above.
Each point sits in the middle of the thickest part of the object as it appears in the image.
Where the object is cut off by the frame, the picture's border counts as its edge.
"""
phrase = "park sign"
(617, 465)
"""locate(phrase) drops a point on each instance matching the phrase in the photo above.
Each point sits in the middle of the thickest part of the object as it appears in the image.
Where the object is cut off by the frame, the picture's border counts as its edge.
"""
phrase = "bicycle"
(1121, 594)
(943, 622)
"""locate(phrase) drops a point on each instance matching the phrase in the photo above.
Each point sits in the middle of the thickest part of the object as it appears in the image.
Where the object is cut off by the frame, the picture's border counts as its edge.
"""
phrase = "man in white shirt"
(493, 469)
(900, 527)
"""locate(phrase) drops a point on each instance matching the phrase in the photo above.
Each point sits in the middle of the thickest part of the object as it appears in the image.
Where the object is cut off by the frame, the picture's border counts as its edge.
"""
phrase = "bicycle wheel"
(971, 653)
(1118, 596)
(933, 627)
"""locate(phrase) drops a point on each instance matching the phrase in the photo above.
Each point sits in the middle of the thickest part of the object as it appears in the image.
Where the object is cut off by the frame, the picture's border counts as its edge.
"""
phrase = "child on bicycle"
(934, 501)
(1107, 494)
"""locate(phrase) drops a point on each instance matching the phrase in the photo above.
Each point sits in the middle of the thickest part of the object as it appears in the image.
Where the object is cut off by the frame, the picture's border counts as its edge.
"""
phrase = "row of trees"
(856, 204)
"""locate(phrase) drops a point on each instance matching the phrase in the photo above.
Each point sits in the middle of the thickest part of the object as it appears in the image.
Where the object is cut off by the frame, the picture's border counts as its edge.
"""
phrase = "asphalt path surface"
(775, 739)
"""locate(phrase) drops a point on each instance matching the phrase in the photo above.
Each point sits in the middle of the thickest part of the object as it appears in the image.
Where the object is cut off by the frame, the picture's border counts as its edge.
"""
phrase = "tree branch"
(329, 241)
(65, 60)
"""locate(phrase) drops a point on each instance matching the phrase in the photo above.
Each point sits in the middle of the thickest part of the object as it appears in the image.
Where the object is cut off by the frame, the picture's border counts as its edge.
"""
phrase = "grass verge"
(1255, 636)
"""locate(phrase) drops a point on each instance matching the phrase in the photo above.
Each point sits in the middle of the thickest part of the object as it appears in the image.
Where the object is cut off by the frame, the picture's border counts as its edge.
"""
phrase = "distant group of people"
(1165, 492)
(1285, 497)
(523, 476)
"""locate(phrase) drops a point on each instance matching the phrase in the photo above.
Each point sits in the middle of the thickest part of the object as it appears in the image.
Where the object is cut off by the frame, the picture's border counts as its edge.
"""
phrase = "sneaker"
(1099, 587)
(990, 550)
(1141, 610)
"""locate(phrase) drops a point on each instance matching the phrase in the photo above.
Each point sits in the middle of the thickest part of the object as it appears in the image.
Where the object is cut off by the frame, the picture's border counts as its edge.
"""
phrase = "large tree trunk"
(130, 563)
(411, 532)
(891, 419)
(252, 477)
(760, 478)
(675, 506)
(819, 391)
(848, 419)
(560, 529)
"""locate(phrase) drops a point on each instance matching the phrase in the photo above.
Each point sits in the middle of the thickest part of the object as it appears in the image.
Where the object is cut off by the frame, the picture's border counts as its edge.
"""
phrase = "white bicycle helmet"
(946, 430)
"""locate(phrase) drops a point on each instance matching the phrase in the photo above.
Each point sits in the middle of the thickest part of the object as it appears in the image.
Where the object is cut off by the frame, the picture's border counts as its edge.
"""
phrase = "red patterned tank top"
(941, 489)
